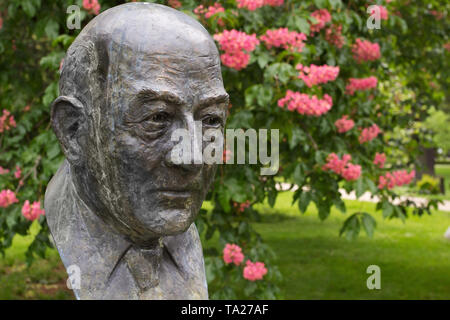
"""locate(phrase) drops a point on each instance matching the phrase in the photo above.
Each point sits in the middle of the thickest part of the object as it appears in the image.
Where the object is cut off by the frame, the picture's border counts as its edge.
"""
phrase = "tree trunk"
(426, 161)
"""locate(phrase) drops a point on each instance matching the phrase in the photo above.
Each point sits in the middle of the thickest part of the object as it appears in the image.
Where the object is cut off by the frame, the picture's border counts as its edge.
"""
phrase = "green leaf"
(297, 136)
(368, 223)
(359, 188)
(351, 227)
(298, 175)
(51, 29)
(304, 201)
(388, 209)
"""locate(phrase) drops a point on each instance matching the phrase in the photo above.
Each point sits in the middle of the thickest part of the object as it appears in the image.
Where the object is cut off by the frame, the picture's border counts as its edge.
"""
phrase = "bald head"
(159, 38)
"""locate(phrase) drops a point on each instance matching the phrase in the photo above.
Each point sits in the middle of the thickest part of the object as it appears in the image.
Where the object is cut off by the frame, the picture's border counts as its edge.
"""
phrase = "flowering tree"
(312, 69)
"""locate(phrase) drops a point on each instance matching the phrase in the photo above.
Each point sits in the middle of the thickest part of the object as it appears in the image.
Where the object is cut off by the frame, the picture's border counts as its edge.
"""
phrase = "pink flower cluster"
(364, 50)
(241, 206)
(282, 37)
(368, 134)
(333, 35)
(395, 179)
(343, 167)
(210, 11)
(323, 17)
(379, 160)
(383, 12)
(175, 4)
(234, 43)
(274, 3)
(313, 74)
(18, 172)
(92, 6)
(32, 212)
(304, 104)
(3, 170)
(447, 46)
(233, 254)
(252, 5)
(7, 198)
(254, 270)
(360, 84)
(7, 121)
(344, 124)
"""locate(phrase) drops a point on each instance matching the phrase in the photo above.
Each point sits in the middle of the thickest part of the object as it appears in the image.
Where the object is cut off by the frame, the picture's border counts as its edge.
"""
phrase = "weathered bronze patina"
(119, 208)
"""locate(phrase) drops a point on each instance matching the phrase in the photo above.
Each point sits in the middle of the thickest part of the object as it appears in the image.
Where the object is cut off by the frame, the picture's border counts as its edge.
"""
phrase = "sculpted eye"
(212, 121)
(160, 117)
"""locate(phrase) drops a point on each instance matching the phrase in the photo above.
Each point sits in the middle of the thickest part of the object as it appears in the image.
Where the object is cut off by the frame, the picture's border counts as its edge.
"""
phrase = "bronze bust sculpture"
(119, 207)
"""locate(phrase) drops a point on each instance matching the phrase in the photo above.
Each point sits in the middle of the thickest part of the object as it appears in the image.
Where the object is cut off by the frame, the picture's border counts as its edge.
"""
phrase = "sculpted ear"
(68, 123)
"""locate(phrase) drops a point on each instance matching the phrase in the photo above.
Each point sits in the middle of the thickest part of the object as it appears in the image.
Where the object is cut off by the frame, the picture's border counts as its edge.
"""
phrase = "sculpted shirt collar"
(109, 263)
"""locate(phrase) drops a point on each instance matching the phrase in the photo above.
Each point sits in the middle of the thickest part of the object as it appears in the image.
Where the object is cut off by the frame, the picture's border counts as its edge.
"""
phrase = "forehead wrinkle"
(221, 98)
(148, 94)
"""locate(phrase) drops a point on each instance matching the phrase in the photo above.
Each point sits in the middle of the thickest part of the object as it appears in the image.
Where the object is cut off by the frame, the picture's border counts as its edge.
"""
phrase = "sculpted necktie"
(144, 265)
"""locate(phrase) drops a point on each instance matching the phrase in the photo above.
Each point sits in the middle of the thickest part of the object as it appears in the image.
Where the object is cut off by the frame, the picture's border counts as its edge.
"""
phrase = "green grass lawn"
(315, 262)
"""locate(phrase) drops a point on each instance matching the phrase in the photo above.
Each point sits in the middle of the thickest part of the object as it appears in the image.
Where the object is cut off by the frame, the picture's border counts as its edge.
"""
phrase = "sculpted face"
(163, 75)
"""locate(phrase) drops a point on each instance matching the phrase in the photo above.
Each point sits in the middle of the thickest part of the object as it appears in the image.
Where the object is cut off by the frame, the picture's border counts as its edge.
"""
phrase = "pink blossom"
(438, 15)
(251, 5)
(282, 37)
(92, 6)
(343, 124)
(175, 4)
(273, 3)
(311, 106)
(395, 179)
(7, 121)
(254, 271)
(342, 167)
(233, 40)
(322, 16)
(238, 60)
(241, 206)
(368, 134)
(333, 35)
(18, 172)
(233, 254)
(210, 11)
(313, 74)
(237, 45)
(447, 46)
(32, 212)
(3, 170)
(364, 50)
(360, 84)
(7, 198)
(383, 12)
(351, 172)
(380, 159)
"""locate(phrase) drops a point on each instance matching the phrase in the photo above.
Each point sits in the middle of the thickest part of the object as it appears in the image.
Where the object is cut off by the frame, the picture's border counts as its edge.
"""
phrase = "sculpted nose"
(187, 147)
